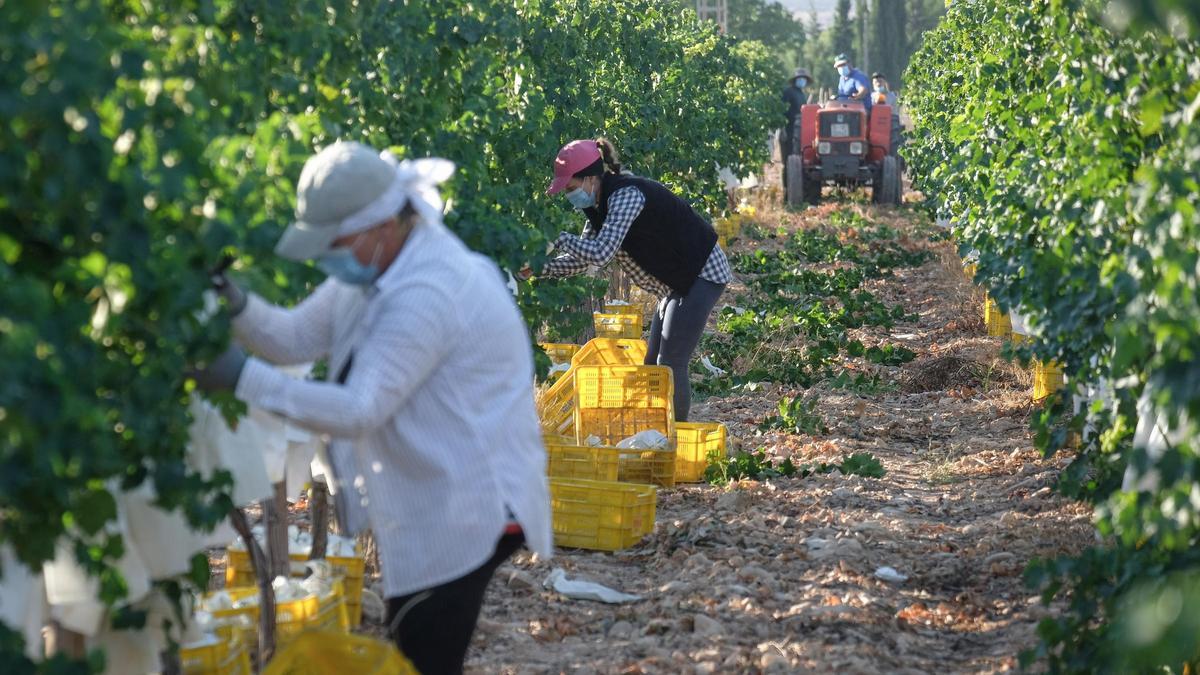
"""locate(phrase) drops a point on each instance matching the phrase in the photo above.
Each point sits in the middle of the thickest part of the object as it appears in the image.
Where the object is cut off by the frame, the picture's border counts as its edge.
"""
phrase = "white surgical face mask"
(844, 70)
(581, 199)
(341, 264)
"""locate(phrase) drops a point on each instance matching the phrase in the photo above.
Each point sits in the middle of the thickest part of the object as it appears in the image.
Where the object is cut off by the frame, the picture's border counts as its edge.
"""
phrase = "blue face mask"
(844, 70)
(581, 199)
(341, 264)
(801, 83)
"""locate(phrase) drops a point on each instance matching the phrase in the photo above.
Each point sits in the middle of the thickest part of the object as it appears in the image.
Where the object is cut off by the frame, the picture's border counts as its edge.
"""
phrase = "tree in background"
(771, 24)
(922, 16)
(860, 54)
(819, 52)
(767, 22)
(887, 39)
(842, 38)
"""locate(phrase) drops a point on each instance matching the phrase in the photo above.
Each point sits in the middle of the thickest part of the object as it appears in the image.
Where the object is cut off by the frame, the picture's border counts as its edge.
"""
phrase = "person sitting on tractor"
(882, 92)
(854, 84)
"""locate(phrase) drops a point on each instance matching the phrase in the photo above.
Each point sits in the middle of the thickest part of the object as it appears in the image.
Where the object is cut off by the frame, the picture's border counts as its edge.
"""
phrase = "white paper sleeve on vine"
(1020, 325)
(1155, 435)
(73, 594)
(23, 607)
(214, 446)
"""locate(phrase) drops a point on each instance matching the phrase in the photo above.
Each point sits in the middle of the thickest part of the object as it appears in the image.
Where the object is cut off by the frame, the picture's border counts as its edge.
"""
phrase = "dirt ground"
(779, 576)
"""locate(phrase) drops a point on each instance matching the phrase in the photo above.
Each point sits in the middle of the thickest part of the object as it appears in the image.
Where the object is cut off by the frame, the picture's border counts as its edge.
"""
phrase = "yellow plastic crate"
(238, 572)
(616, 402)
(557, 406)
(560, 352)
(1047, 379)
(566, 459)
(291, 618)
(571, 460)
(324, 653)
(647, 466)
(629, 309)
(617, 325)
(998, 323)
(226, 657)
(693, 443)
(601, 515)
(969, 269)
(611, 352)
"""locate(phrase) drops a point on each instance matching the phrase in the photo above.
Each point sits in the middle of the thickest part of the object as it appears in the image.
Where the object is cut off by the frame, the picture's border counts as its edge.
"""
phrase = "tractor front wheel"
(795, 181)
(887, 191)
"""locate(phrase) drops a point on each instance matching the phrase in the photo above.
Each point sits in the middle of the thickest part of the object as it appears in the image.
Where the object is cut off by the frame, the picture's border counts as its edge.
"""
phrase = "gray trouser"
(675, 332)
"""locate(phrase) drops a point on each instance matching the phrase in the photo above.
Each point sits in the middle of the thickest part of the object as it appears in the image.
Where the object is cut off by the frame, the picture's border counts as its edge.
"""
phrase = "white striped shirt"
(436, 419)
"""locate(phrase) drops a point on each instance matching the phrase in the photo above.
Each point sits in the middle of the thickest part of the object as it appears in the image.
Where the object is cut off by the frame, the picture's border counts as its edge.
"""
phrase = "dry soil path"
(780, 576)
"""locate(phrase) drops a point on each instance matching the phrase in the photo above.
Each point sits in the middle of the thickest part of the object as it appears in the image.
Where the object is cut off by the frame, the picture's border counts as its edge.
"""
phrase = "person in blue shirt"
(854, 83)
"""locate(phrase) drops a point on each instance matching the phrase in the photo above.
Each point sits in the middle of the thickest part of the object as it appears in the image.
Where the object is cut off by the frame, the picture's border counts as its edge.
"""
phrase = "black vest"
(668, 239)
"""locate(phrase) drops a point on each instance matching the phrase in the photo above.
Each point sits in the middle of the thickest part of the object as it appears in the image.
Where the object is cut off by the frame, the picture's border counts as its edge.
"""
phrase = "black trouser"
(675, 332)
(433, 627)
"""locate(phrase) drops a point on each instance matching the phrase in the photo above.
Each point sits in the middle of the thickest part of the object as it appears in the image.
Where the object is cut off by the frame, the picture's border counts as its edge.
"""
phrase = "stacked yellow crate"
(222, 657)
(239, 573)
(600, 495)
(292, 617)
(557, 404)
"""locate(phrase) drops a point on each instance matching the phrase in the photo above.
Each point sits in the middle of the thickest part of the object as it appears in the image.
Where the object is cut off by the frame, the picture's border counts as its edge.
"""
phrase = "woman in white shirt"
(435, 441)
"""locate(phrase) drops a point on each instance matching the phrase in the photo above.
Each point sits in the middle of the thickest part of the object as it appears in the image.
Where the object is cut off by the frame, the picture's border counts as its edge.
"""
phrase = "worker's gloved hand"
(524, 273)
(223, 373)
(235, 297)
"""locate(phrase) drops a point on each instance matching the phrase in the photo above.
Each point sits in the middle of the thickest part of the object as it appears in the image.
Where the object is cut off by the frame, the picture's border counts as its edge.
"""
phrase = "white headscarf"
(416, 184)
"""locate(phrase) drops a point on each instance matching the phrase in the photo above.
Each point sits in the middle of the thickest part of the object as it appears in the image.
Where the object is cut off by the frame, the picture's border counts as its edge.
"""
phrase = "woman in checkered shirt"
(656, 237)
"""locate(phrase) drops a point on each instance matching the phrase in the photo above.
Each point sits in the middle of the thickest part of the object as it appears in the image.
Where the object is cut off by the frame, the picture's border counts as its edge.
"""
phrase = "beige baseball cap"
(345, 188)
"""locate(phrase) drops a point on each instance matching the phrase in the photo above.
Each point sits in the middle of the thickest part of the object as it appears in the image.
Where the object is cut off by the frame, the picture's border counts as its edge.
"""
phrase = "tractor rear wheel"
(795, 180)
(888, 189)
(812, 191)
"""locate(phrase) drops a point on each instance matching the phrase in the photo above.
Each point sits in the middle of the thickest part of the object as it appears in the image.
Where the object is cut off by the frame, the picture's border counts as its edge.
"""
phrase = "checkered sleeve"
(564, 266)
(624, 206)
(716, 268)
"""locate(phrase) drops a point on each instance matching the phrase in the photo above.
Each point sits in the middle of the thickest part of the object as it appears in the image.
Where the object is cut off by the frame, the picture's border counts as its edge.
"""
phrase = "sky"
(824, 8)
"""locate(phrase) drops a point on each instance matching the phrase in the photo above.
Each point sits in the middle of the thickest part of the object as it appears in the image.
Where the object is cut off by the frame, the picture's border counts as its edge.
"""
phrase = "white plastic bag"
(650, 439)
(586, 590)
(708, 365)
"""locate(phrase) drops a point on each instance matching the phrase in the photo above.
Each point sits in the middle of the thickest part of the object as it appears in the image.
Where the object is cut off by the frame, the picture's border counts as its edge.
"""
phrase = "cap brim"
(558, 184)
(839, 64)
(302, 241)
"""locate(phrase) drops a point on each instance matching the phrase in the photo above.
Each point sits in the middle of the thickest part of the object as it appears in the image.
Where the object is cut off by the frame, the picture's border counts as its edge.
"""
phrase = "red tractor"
(837, 144)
